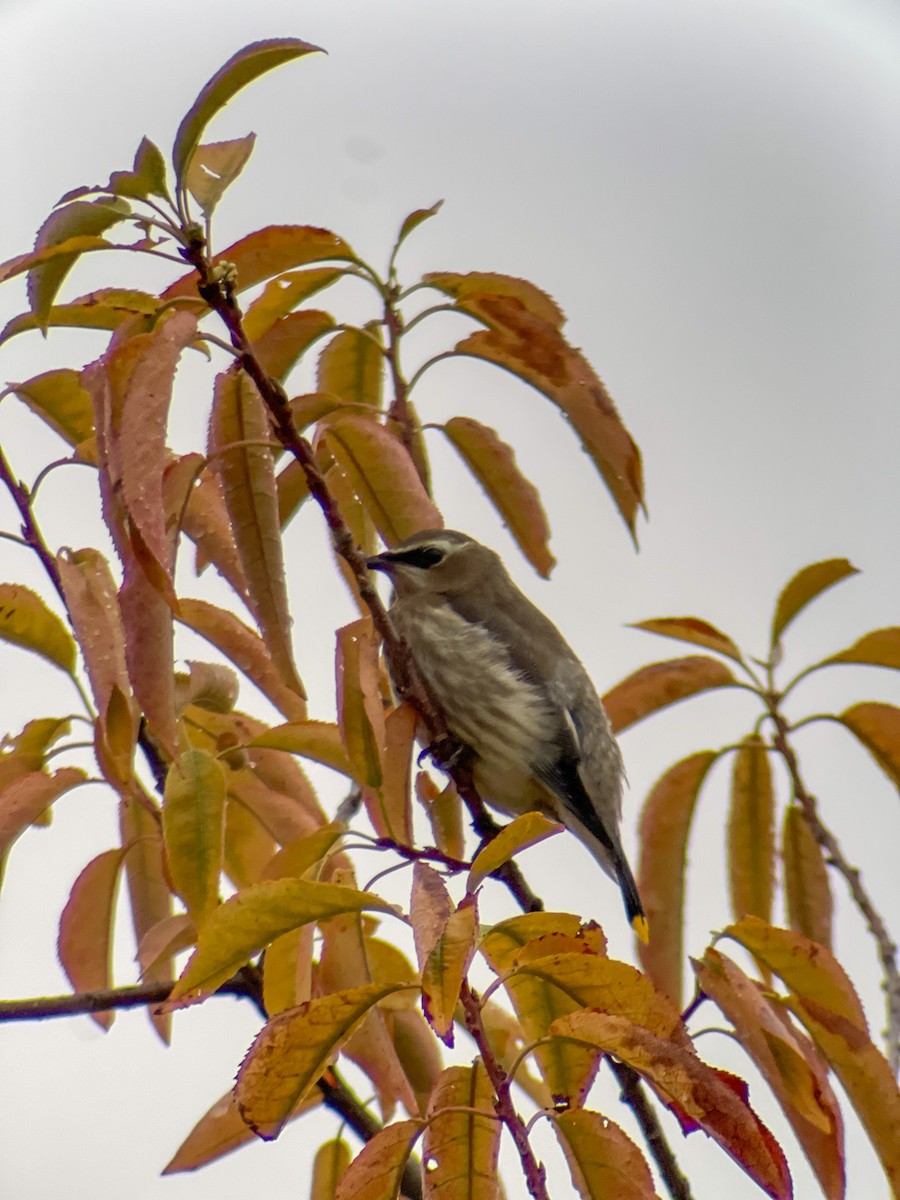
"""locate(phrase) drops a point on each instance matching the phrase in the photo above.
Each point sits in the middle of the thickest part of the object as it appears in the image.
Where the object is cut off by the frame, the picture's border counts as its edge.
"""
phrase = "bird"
(513, 692)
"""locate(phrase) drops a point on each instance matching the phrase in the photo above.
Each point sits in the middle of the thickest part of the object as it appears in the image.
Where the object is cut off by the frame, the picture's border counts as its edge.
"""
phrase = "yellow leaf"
(383, 476)
(303, 855)
(502, 944)
(288, 338)
(808, 583)
(85, 928)
(194, 830)
(516, 499)
(788, 1062)
(287, 970)
(677, 1072)
(413, 221)
(151, 900)
(445, 815)
(877, 727)
(660, 684)
(254, 917)
(352, 366)
(751, 832)
(603, 1161)
(664, 830)
(280, 296)
(329, 1165)
(460, 1146)
(25, 620)
(415, 1047)
(526, 830)
(221, 1130)
(825, 1001)
(390, 808)
(293, 1049)
(807, 890)
(377, 1171)
(58, 398)
(470, 288)
(880, 648)
(247, 475)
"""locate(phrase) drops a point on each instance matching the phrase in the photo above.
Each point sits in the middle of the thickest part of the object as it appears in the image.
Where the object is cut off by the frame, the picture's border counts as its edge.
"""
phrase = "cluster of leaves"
(238, 813)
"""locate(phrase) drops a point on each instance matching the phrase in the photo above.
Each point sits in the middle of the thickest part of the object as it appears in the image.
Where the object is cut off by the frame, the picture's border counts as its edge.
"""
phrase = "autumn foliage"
(228, 853)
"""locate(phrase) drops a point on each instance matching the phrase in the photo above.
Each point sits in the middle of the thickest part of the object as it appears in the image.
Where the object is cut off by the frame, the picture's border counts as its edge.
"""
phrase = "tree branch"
(887, 948)
(634, 1096)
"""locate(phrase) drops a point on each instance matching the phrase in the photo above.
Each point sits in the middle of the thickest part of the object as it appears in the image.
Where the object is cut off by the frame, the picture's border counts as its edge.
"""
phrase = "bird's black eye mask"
(422, 557)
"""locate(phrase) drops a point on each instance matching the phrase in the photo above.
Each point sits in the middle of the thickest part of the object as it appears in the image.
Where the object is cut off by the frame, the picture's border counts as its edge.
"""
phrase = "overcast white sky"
(710, 189)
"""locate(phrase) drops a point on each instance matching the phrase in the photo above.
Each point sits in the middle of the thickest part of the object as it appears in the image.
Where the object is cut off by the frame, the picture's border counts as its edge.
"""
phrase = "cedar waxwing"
(513, 691)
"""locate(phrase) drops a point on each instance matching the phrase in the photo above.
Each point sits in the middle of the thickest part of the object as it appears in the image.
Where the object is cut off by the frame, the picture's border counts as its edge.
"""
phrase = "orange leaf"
(664, 830)
(462, 1147)
(279, 814)
(242, 68)
(288, 338)
(151, 900)
(751, 832)
(280, 296)
(26, 797)
(809, 902)
(352, 367)
(877, 727)
(221, 1130)
(516, 499)
(360, 710)
(267, 252)
(825, 1001)
(293, 1049)
(246, 649)
(603, 1161)
(788, 1063)
(533, 349)
(677, 1072)
(693, 630)
(377, 1171)
(247, 475)
(395, 800)
(473, 287)
(445, 968)
(445, 815)
(85, 928)
(205, 521)
(383, 476)
(805, 586)
(660, 684)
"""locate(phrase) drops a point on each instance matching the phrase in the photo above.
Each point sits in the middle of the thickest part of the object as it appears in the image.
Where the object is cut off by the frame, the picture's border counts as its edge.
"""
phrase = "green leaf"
(352, 366)
(751, 832)
(526, 830)
(804, 588)
(242, 68)
(146, 178)
(25, 620)
(413, 221)
(194, 829)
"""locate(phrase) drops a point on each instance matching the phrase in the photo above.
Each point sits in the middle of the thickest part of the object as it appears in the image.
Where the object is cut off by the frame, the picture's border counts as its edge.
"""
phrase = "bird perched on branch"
(513, 691)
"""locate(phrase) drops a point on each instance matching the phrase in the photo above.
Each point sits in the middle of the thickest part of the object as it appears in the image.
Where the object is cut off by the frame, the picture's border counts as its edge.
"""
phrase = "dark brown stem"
(634, 1096)
(219, 294)
(535, 1175)
(887, 948)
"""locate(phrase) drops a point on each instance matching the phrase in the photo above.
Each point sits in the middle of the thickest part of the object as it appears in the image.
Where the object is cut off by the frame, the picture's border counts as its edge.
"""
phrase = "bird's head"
(437, 562)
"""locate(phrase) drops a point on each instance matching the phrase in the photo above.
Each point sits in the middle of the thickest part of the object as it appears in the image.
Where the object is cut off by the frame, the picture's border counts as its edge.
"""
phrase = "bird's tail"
(633, 906)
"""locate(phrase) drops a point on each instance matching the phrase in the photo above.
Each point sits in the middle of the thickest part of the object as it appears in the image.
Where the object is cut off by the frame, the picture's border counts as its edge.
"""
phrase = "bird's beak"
(380, 562)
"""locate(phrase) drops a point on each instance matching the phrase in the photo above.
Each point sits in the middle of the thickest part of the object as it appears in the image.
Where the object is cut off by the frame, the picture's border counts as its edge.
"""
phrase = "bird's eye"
(422, 557)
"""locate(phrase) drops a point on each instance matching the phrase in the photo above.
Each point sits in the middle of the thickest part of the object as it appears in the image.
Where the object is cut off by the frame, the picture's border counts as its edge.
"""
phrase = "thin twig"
(535, 1174)
(887, 948)
(634, 1096)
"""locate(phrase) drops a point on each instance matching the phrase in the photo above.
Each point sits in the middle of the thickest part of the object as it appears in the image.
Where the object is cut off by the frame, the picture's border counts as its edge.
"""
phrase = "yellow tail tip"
(641, 928)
